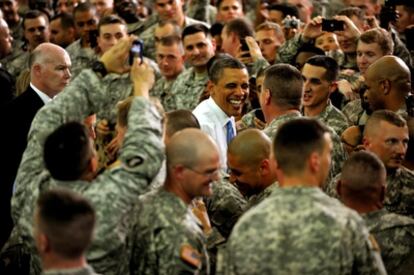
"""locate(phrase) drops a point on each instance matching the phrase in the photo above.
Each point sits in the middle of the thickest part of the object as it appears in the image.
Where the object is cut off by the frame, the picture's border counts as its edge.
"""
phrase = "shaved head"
(46, 53)
(388, 82)
(250, 147)
(189, 147)
(389, 67)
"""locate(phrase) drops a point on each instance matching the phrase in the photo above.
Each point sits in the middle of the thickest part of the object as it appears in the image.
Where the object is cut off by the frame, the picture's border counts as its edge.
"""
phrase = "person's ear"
(264, 167)
(314, 162)
(332, 87)
(385, 86)
(267, 97)
(212, 88)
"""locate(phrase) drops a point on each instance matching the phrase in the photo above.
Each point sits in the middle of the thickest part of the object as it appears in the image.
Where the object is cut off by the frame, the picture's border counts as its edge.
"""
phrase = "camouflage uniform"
(88, 270)
(355, 113)
(199, 10)
(288, 50)
(339, 154)
(162, 91)
(300, 230)
(81, 57)
(258, 198)
(113, 193)
(399, 197)
(165, 237)
(17, 65)
(333, 118)
(148, 36)
(187, 90)
(400, 192)
(395, 236)
(224, 208)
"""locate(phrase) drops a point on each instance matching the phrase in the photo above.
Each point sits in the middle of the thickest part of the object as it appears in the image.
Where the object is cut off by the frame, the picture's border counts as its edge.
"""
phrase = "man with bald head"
(388, 82)
(252, 170)
(298, 229)
(362, 188)
(165, 236)
(49, 74)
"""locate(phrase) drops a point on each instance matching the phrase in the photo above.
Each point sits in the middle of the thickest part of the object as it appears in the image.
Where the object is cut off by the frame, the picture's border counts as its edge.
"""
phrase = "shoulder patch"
(190, 255)
(374, 243)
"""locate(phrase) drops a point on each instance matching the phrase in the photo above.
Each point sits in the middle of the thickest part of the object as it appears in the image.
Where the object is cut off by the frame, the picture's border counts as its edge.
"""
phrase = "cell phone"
(331, 25)
(137, 50)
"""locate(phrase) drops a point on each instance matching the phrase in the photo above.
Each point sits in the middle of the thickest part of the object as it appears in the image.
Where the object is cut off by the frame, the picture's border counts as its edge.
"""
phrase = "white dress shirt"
(213, 122)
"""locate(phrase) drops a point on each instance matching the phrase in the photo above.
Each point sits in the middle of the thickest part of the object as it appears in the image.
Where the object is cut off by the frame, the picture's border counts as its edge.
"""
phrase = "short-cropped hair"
(295, 141)
(68, 220)
(67, 151)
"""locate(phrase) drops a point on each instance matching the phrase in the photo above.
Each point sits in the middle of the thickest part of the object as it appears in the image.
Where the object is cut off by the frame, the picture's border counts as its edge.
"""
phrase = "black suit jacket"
(17, 117)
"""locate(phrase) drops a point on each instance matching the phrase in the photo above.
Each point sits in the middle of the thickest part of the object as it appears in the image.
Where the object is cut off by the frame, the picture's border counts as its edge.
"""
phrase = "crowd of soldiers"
(207, 137)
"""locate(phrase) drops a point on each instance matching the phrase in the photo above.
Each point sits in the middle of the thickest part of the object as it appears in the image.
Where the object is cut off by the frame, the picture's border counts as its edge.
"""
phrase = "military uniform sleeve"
(199, 9)
(289, 49)
(85, 95)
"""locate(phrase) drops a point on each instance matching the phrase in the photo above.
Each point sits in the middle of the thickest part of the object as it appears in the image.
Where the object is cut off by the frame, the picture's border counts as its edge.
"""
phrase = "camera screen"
(136, 49)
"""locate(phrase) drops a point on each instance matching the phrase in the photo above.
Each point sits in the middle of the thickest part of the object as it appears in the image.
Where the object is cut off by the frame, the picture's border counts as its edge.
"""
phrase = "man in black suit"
(49, 74)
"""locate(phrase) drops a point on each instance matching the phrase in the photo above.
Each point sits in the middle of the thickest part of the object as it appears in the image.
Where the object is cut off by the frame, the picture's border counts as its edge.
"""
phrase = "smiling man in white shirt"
(229, 89)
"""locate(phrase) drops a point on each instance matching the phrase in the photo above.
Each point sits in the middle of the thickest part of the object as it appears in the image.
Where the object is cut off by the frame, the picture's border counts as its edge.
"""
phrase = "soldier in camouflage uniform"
(297, 228)
(63, 251)
(312, 30)
(171, 63)
(320, 74)
(192, 83)
(119, 86)
(113, 193)
(386, 135)
(280, 100)
(361, 187)
(175, 13)
(165, 237)
(82, 51)
(36, 32)
(250, 165)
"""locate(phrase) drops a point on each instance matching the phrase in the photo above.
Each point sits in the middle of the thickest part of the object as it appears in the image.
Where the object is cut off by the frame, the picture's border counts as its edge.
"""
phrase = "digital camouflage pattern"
(225, 206)
(165, 237)
(334, 118)
(19, 64)
(187, 90)
(338, 155)
(81, 57)
(162, 91)
(399, 197)
(258, 198)
(395, 236)
(113, 193)
(300, 230)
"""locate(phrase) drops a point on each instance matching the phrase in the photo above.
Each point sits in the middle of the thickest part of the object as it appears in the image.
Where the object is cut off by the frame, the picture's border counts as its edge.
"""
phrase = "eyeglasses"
(210, 174)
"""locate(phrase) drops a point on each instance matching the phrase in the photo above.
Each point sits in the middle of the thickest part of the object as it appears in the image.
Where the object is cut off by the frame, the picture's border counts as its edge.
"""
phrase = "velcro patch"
(190, 255)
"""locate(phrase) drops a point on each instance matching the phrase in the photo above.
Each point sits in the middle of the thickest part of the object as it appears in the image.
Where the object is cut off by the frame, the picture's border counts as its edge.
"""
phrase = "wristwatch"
(99, 68)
